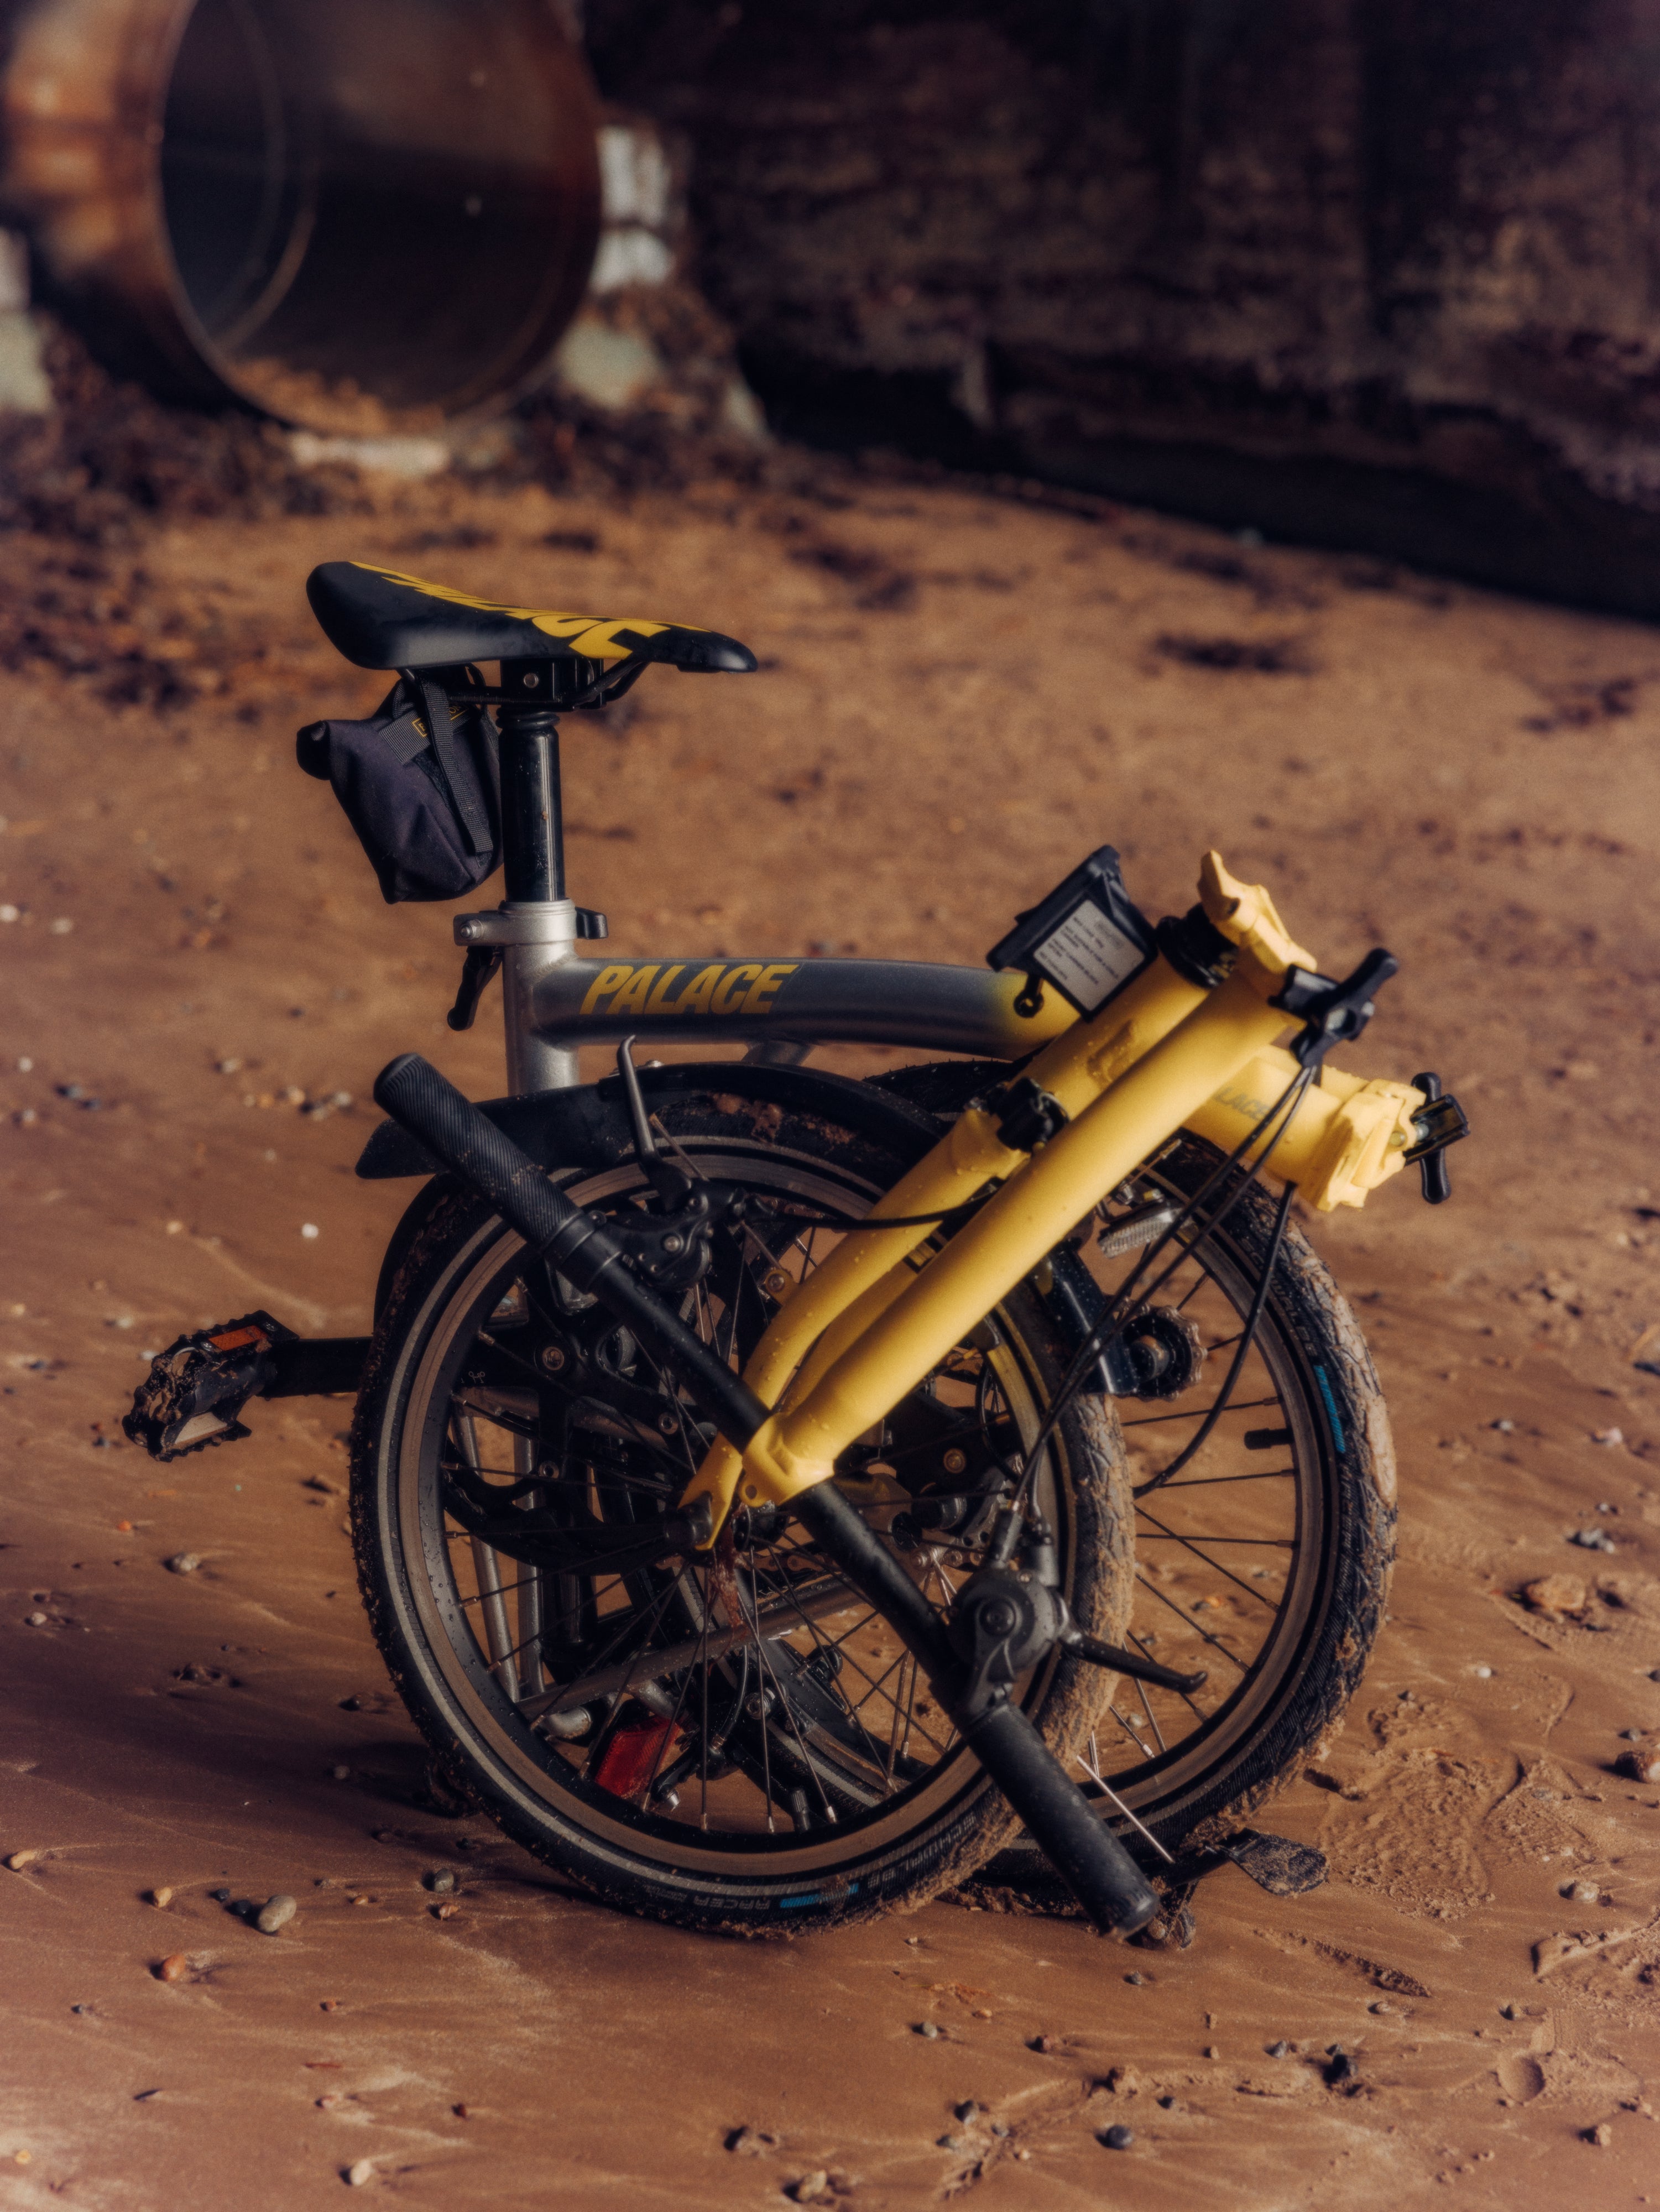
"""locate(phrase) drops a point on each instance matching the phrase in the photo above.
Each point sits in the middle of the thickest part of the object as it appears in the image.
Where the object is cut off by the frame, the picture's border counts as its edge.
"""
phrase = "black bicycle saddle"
(380, 619)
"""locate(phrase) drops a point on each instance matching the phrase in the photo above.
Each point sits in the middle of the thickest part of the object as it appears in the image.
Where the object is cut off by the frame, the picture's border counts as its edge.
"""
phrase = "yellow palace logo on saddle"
(382, 618)
(585, 634)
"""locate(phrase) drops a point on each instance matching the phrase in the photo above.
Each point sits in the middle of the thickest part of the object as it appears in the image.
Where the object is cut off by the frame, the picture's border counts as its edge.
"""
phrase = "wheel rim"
(822, 1714)
(1231, 1552)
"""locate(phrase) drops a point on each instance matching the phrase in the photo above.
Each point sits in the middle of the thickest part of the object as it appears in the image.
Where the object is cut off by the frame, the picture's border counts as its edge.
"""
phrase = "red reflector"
(234, 1339)
(630, 1758)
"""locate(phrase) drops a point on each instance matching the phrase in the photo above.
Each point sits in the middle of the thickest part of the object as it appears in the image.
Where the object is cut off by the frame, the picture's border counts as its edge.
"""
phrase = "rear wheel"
(730, 1739)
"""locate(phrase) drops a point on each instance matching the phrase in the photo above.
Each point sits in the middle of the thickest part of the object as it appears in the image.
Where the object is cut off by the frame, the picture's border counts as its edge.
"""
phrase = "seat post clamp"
(544, 922)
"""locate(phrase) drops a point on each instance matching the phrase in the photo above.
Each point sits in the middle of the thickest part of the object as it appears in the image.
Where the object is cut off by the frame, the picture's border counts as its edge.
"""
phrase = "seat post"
(532, 823)
(533, 852)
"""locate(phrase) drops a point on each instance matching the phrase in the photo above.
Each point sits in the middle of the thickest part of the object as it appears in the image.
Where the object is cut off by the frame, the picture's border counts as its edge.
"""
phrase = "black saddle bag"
(421, 785)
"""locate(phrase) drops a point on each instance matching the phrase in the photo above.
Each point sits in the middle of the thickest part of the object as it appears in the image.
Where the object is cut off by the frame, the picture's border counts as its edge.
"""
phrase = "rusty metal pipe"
(362, 216)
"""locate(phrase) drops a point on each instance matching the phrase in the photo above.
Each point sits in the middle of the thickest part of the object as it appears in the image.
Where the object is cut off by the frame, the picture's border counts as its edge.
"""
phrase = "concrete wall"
(1375, 272)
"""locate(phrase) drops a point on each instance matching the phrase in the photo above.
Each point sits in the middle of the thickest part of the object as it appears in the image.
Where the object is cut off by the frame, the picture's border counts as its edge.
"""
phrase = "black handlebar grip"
(1083, 1850)
(419, 1099)
(580, 1245)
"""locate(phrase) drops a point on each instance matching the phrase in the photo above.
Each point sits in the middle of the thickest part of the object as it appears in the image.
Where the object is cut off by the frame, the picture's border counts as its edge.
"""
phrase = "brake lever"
(1443, 1123)
(1333, 1013)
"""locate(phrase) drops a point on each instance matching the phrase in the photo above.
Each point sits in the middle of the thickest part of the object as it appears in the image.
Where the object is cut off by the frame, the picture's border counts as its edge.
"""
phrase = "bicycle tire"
(1285, 1656)
(1193, 1790)
(891, 1850)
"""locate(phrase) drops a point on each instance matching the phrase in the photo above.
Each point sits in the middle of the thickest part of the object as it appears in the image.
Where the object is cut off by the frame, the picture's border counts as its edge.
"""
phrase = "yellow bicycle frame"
(1163, 1054)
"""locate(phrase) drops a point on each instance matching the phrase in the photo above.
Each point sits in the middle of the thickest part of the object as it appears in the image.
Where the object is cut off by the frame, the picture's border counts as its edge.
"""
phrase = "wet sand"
(959, 696)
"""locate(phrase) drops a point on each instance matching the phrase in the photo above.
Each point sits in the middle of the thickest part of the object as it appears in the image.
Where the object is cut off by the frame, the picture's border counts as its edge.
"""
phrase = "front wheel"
(1264, 1503)
(731, 1740)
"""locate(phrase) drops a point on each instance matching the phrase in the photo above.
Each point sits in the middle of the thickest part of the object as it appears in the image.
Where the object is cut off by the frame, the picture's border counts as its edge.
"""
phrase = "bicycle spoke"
(1197, 1412)
(1211, 1481)
(1204, 1635)
(1168, 1536)
(1215, 1565)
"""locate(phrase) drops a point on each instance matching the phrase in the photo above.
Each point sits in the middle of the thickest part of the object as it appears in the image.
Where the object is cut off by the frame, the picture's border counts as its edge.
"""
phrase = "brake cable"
(1117, 1312)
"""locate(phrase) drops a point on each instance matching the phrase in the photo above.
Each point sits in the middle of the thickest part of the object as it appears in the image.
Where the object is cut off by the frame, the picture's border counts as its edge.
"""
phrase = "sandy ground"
(959, 698)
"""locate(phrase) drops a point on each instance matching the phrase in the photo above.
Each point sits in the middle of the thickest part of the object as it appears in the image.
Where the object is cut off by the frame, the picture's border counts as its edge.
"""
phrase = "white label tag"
(1089, 957)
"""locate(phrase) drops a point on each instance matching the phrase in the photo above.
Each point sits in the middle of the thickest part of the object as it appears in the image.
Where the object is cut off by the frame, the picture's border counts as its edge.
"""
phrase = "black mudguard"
(586, 1129)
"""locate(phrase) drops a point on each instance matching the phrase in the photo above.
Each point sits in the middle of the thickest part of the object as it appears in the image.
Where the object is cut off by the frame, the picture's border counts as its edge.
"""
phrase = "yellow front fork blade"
(1003, 1243)
(876, 1318)
(867, 1272)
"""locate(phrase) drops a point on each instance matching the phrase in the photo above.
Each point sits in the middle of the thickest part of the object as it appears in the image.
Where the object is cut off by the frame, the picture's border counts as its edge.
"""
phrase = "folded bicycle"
(771, 1493)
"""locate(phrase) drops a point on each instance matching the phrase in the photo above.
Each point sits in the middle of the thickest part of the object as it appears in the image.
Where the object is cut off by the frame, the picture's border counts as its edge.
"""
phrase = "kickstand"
(1021, 1879)
(1273, 1862)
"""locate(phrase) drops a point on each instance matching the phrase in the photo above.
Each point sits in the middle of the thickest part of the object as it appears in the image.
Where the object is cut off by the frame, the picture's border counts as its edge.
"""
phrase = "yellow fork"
(882, 1311)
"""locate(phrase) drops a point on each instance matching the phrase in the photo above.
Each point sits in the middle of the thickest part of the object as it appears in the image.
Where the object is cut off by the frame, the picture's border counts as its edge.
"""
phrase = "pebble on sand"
(1638, 1765)
(442, 1881)
(19, 1860)
(275, 1913)
(447, 1910)
(926, 2029)
(340, 1774)
(1282, 2049)
(750, 2142)
(161, 1897)
(37, 1620)
(1602, 2135)
(184, 1562)
(358, 2173)
(1119, 2138)
(1555, 1594)
(175, 1967)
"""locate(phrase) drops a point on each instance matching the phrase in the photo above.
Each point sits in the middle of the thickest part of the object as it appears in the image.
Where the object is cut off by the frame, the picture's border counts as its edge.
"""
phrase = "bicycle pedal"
(198, 1387)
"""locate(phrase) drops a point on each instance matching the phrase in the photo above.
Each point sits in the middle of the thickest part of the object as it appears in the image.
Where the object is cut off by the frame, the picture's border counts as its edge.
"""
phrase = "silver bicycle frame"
(554, 1001)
